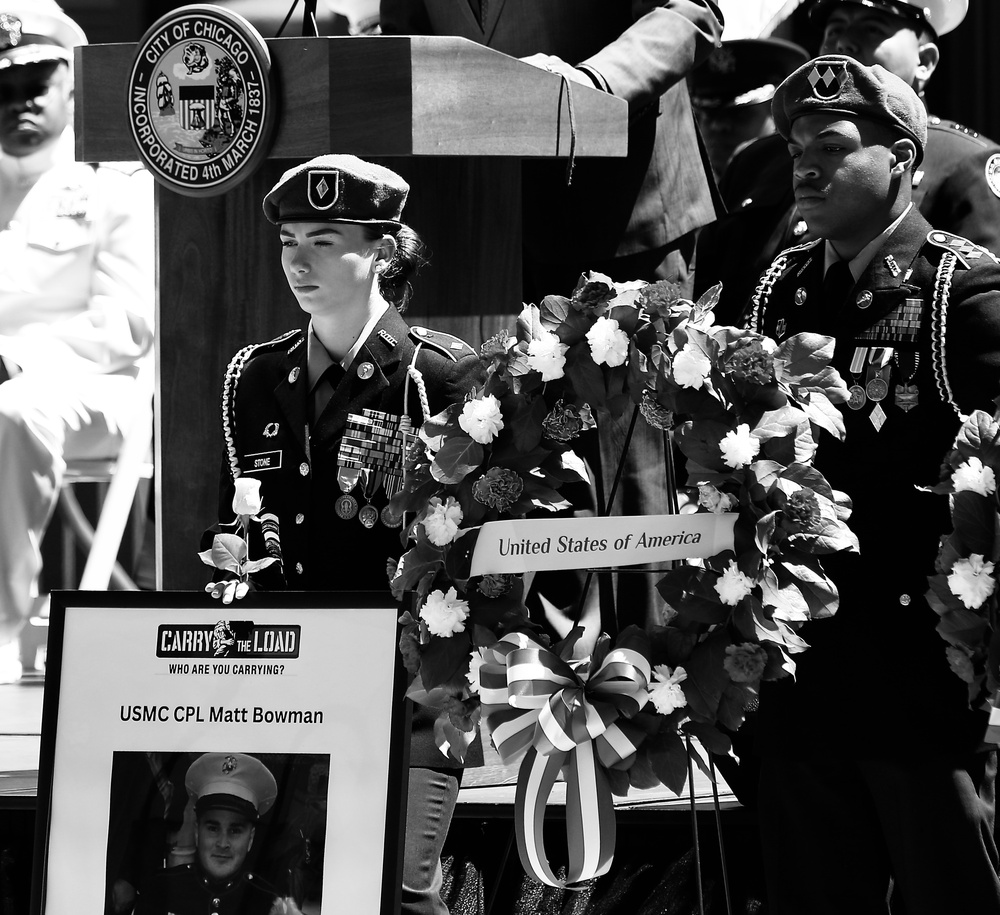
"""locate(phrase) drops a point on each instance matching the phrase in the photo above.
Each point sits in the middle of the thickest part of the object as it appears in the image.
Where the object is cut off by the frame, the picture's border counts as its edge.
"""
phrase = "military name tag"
(264, 460)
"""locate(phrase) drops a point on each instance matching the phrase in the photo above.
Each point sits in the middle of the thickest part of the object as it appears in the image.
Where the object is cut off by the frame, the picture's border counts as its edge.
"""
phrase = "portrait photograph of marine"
(220, 832)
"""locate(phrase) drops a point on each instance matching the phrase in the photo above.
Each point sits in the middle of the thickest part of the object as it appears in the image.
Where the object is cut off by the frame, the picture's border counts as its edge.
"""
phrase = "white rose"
(547, 355)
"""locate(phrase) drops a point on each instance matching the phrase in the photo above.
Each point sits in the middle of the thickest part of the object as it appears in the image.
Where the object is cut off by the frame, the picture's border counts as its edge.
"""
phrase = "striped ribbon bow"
(570, 716)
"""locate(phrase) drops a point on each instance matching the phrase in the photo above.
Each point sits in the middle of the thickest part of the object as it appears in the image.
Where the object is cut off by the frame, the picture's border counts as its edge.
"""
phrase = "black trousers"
(834, 832)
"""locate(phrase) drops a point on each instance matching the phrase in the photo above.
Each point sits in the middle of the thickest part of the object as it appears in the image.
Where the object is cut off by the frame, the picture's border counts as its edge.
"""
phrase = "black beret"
(337, 188)
(836, 84)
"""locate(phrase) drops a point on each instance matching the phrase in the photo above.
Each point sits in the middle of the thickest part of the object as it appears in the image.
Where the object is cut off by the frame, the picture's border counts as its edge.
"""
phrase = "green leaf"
(709, 737)
(255, 565)
(442, 659)
(980, 436)
(706, 677)
(802, 356)
(228, 552)
(962, 627)
(457, 458)
(586, 377)
(732, 706)
(975, 516)
(690, 591)
(668, 760)
(824, 414)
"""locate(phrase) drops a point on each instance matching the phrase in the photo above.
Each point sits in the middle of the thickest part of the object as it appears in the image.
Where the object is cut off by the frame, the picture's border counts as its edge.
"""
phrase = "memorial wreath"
(963, 590)
(745, 413)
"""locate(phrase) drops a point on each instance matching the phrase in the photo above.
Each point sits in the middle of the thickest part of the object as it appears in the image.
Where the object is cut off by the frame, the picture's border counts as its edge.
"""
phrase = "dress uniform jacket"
(640, 52)
(875, 681)
(956, 188)
(266, 409)
(76, 265)
(184, 890)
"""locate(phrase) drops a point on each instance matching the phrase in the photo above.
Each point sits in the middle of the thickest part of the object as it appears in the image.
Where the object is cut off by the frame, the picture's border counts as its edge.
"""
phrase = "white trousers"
(44, 422)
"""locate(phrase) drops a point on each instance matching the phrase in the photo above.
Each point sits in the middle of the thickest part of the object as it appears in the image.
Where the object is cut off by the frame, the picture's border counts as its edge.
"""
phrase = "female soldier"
(316, 416)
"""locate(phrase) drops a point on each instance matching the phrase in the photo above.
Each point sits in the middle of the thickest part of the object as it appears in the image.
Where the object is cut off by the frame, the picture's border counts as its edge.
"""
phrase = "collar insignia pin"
(365, 371)
(270, 430)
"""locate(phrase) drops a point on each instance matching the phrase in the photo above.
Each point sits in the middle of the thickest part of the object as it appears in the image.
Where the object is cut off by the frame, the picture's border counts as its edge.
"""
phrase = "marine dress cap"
(231, 781)
(836, 84)
(35, 33)
(337, 188)
(939, 16)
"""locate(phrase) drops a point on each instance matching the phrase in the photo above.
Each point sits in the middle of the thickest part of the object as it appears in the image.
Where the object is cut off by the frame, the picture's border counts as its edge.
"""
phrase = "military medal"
(876, 389)
(858, 398)
(877, 386)
(878, 417)
(907, 396)
(346, 505)
(368, 515)
(390, 517)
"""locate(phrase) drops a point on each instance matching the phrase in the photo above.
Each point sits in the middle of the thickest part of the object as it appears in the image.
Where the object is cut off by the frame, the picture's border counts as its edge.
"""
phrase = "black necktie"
(327, 384)
(836, 284)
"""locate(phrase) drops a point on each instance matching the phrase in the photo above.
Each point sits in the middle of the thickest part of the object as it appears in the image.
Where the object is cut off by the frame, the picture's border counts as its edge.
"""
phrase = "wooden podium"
(454, 117)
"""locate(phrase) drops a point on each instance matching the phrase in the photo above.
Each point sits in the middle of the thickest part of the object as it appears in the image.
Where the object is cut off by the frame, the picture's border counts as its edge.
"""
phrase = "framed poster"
(250, 752)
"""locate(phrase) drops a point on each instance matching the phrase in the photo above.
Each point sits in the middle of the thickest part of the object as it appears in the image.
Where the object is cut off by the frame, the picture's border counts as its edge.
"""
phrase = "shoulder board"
(968, 252)
(806, 246)
(453, 347)
(289, 341)
(942, 128)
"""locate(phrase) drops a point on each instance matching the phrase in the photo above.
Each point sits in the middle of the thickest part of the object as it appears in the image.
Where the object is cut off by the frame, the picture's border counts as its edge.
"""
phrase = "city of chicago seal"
(200, 101)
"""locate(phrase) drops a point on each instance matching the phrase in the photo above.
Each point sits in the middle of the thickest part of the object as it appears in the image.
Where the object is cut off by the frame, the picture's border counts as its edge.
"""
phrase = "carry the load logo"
(200, 101)
(228, 639)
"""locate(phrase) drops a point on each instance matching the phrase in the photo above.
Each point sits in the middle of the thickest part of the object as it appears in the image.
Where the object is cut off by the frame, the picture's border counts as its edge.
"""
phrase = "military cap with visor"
(337, 188)
(231, 781)
(36, 33)
(940, 16)
(743, 71)
(839, 85)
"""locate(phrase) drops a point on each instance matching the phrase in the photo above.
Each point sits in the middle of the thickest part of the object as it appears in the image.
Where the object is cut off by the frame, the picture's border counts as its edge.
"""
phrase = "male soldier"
(864, 777)
(76, 297)
(956, 187)
(231, 791)
(731, 93)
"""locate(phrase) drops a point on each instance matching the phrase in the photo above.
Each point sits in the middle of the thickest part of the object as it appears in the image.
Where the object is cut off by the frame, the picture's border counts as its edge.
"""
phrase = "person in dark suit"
(629, 218)
(956, 187)
(872, 762)
(319, 417)
(650, 201)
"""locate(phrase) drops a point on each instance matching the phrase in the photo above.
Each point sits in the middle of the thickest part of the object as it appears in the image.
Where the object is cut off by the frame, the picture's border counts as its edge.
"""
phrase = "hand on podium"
(556, 65)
